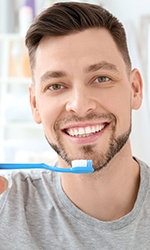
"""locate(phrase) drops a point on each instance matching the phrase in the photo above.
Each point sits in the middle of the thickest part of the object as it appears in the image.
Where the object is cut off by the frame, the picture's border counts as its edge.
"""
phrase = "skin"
(81, 80)
(3, 184)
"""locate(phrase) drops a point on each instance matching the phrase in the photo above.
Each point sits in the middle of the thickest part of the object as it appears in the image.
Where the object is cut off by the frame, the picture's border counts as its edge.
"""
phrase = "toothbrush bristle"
(79, 163)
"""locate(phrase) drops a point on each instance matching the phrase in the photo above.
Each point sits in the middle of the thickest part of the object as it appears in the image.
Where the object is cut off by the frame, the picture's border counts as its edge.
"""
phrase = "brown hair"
(69, 17)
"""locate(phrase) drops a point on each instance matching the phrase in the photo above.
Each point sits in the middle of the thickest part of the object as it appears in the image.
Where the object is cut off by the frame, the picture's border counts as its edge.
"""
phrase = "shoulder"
(143, 165)
(29, 188)
(25, 182)
(27, 175)
(30, 177)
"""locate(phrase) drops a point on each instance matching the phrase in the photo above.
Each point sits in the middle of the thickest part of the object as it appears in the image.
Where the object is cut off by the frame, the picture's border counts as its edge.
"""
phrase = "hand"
(3, 184)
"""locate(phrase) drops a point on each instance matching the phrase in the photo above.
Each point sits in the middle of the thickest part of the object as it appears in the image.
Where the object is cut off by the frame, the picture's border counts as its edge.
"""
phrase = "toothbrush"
(78, 167)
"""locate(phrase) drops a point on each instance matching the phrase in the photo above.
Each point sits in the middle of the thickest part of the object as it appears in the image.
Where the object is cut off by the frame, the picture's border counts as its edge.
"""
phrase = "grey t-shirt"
(36, 214)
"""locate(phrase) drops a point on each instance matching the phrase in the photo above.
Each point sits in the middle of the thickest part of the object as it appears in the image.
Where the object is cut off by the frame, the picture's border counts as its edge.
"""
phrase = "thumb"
(3, 184)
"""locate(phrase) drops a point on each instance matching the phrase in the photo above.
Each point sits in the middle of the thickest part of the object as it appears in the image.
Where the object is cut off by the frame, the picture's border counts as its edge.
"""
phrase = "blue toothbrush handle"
(76, 170)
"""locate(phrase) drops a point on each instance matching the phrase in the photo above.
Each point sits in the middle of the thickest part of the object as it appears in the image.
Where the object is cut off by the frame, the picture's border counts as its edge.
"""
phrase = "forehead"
(79, 48)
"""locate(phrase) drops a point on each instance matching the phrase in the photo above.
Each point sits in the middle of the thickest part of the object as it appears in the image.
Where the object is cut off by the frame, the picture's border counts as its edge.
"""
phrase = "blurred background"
(21, 140)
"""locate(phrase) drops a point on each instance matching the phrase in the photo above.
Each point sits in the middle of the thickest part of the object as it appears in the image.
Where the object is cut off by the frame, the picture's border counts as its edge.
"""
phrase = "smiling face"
(83, 95)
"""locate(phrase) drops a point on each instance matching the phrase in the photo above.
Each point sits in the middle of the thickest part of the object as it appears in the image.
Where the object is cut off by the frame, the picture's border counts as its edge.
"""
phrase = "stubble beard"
(100, 158)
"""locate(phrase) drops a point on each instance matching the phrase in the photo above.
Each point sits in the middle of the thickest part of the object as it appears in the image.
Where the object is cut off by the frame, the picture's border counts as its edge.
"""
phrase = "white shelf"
(15, 80)
(17, 128)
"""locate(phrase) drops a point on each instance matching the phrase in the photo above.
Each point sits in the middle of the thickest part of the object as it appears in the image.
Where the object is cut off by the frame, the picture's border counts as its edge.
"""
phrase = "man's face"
(83, 96)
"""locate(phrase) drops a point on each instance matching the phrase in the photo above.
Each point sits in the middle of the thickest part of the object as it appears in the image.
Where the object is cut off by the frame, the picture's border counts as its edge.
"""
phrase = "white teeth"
(84, 131)
(98, 128)
(81, 131)
(71, 132)
(93, 129)
(75, 131)
(87, 130)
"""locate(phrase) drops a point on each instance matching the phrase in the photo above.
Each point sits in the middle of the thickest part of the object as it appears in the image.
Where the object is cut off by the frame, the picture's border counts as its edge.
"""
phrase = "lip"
(93, 137)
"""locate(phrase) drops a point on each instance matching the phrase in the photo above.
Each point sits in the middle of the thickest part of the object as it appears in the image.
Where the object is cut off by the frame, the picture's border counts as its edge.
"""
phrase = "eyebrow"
(92, 68)
(102, 65)
(52, 74)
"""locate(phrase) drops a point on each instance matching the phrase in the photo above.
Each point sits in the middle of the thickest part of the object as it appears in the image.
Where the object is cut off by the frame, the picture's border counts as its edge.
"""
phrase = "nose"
(81, 102)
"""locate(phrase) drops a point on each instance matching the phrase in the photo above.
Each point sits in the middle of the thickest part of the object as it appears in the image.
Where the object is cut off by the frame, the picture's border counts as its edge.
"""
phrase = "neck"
(107, 195)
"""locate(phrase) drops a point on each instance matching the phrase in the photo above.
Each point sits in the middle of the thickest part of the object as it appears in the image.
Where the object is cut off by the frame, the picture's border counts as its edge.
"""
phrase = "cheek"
(49, 113)
(121, 107)
(125, 115)
(48, 116)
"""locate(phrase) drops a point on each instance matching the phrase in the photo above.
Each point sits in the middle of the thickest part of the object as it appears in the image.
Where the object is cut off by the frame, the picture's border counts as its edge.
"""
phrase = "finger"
(3, 184)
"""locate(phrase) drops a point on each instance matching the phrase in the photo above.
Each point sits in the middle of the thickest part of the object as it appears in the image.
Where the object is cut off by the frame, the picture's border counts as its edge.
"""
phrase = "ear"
(33, 104)
(137, 86)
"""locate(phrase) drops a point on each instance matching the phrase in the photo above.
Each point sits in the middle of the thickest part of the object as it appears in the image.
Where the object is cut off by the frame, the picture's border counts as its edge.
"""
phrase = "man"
(83, 92)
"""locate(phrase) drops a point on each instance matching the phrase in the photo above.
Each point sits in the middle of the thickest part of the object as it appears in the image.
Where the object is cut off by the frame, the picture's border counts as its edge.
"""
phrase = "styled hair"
(66, 18)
